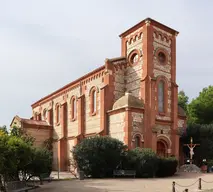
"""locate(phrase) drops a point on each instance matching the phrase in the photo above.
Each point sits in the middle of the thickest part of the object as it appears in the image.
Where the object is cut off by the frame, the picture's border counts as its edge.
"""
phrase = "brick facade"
(121, 98)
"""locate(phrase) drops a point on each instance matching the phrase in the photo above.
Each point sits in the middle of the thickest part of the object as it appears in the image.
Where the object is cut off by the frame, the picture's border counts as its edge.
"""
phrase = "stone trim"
(93, 90)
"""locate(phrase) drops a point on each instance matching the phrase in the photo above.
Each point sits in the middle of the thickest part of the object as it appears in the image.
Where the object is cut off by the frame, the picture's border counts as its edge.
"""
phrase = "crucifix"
(191, 147)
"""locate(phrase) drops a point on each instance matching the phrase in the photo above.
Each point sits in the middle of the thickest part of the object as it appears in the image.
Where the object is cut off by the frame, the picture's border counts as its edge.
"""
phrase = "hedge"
(99, 156)
(166, 167)
(144, 161)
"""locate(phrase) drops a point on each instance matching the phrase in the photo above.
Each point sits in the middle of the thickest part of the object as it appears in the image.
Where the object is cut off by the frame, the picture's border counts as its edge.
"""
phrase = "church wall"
(133, 79)
(119, 84)
(133, 40)
(40, 135)
(116, 126)
(165, 128)
(72, 126)
(161, 41)
(70, 145)
(57, 132)
(55, 156)
(137, 122)
(92, 122)
(16, 123)
(181, 123)
(40, 109)
(133, 72)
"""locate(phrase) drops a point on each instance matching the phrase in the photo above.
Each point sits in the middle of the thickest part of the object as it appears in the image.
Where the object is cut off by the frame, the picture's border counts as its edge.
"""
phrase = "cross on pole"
(191, 147)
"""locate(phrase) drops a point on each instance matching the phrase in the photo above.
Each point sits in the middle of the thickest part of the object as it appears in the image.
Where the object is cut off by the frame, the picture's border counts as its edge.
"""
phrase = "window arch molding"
(162, 79)
(93, 98)
(165, 52)
(132, 55)
(73, 107)
(137, 140)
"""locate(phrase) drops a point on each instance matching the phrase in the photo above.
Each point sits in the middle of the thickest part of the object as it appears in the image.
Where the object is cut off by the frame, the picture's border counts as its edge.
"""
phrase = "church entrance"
(161, 149)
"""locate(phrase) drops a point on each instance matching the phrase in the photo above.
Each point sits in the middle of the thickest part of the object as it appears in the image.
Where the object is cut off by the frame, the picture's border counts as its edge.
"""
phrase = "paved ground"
(130, 185)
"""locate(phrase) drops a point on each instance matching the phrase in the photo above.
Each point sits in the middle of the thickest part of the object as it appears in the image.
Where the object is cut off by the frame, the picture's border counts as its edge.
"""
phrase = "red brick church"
(133, 98)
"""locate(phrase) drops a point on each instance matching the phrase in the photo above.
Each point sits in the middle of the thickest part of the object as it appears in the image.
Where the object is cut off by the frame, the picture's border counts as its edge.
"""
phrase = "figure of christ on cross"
(191, 147)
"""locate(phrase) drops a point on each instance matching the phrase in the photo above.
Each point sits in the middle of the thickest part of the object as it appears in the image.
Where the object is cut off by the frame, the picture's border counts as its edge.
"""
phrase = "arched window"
(57, 114)
(137, 141)
(161, 97)
(73, 108)
(93, 100)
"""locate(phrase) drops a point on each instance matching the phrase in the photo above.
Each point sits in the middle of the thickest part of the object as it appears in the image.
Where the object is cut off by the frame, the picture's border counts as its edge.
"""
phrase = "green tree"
(19, 132)
(3, 130)
(99, 156)
(183, 100)
(202, 134)
(143, 160)
(40, 163)
(200, 110)
(18, 157)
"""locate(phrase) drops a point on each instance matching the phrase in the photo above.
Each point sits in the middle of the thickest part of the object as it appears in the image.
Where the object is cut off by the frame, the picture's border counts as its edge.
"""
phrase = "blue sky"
(45, 44)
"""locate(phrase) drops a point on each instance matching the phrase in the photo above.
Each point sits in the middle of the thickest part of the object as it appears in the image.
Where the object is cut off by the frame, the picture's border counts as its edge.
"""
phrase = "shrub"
(167, 166)
(41, 163)
(98, 156)
(144, 161)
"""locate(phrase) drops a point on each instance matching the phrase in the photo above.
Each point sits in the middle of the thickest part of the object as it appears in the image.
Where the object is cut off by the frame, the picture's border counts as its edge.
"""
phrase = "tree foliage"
(19, 132)
(40, 162)
(203, 135)
(167, 166)
(98, 156)
(19, 159)
(201, 108)
(144, 161)
(183, 100)
(3, 130)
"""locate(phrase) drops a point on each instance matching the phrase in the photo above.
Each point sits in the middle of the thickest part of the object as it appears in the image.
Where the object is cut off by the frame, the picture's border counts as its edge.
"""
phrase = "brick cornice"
(149, 21)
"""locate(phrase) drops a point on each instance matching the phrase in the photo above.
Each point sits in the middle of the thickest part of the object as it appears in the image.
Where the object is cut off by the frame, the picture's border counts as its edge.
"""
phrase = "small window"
(94, 101)
(73, 108)
(161, 57)
(134, 58)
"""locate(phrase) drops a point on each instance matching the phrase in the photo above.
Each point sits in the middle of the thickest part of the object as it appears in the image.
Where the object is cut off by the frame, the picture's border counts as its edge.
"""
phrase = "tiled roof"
(34, 122)
(31, 122)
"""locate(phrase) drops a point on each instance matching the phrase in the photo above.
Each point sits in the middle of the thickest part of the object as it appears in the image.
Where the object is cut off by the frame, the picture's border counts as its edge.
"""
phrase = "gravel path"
(131, 185)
